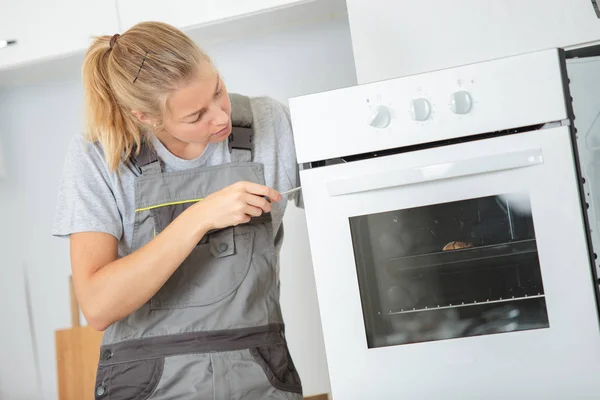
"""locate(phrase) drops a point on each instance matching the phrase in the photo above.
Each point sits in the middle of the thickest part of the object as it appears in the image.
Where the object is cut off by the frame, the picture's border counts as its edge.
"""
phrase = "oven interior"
(449, 270)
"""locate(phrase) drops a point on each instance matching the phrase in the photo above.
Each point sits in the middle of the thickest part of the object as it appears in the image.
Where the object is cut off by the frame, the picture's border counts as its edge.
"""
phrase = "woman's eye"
(196, 120)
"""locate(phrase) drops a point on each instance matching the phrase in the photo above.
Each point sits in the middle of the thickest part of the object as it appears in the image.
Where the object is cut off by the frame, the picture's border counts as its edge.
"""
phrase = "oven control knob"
(461, 102)
(381, 117)
(420, 109)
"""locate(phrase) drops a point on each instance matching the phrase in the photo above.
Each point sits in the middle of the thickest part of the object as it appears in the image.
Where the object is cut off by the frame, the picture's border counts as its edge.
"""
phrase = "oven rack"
(463, 304)
(448, 258)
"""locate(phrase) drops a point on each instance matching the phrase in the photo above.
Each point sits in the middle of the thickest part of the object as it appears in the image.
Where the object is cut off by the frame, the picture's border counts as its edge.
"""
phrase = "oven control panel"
(463, 101)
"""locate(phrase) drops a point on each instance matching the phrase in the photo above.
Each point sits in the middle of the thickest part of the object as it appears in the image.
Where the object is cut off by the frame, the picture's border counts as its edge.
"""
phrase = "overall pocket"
(213, 271)
(279, 368)
(135, 380)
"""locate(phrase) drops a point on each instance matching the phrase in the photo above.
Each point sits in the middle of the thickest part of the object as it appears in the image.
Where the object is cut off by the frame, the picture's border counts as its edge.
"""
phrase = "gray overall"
(214, 330)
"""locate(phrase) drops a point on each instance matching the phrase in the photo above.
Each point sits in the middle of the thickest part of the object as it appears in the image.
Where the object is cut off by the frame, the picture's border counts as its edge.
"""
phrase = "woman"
(173, 208)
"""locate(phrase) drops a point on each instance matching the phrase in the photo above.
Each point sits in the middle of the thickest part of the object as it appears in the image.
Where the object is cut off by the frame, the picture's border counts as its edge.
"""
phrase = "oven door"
(458, 272)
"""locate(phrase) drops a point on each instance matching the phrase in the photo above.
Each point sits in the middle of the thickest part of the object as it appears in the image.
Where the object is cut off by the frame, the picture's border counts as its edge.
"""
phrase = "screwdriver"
(291, 191)
(285, 193)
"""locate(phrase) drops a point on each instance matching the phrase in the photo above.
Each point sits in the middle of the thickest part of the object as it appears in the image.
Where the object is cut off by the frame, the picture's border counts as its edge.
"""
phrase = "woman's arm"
(108, 288)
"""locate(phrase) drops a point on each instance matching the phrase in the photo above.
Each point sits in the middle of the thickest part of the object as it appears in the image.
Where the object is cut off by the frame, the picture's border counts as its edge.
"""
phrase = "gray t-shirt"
(91, 198)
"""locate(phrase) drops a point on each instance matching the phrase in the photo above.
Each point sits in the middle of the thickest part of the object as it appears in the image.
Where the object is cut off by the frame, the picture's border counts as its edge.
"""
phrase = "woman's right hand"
(236, 204)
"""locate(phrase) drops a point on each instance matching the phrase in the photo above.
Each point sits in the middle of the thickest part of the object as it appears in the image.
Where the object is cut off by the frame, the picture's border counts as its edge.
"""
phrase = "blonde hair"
(133, 71)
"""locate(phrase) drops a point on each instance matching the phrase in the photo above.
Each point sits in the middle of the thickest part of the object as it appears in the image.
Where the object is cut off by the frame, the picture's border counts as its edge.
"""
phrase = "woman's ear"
(143, 118)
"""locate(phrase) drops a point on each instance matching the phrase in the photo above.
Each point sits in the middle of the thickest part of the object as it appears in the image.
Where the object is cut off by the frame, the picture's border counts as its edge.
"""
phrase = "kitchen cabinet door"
(393, 38)
(47, 30)
(190, 13)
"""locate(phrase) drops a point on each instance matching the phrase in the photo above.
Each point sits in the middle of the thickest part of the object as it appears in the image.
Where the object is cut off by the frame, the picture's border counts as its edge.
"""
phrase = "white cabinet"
(52, 36)
(393, 38)
(190, 13)
(51, 29)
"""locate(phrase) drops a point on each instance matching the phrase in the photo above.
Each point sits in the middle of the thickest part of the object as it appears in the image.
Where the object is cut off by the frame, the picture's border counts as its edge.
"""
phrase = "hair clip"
(141, 65)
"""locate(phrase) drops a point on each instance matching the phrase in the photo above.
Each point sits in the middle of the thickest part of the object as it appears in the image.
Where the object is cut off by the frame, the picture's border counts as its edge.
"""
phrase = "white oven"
(448, 237)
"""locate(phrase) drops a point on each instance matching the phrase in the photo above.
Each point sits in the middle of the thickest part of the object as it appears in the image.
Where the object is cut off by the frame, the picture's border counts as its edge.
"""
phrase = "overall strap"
(241, 140)
(147, 161)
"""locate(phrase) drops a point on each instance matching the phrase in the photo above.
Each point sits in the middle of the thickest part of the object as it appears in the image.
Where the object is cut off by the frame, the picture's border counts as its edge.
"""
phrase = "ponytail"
(107, 122)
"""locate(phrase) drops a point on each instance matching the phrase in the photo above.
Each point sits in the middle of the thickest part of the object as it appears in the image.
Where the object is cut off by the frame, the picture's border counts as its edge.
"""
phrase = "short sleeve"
(287, 150)
(85, 201)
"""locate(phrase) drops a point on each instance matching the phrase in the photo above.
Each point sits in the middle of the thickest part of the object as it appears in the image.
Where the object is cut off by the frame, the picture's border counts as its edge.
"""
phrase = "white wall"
(36, 123)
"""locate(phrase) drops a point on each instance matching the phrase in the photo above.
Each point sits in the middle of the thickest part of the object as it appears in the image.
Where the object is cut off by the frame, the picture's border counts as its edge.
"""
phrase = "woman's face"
(200, 112)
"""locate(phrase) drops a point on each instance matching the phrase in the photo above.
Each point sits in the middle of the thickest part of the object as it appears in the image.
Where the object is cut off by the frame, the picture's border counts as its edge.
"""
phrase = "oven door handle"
(454, 169)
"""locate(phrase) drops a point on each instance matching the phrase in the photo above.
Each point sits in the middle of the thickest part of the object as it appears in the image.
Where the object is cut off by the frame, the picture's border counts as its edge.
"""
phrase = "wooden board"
(77, 354)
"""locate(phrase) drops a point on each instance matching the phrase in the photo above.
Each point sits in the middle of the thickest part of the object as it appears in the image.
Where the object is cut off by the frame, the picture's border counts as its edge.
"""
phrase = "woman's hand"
(236, 204)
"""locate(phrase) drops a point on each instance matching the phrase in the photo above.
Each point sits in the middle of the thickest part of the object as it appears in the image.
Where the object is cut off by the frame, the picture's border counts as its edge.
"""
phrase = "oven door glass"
(449, 270)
